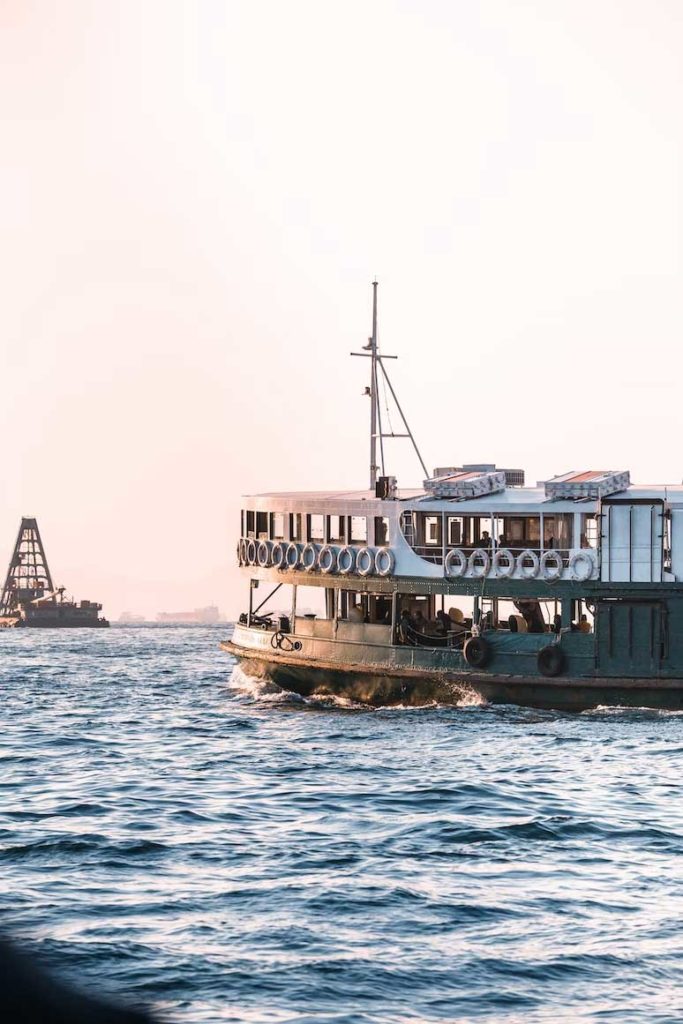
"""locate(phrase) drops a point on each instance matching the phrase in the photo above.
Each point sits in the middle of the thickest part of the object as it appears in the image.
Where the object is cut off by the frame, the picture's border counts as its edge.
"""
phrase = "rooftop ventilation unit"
(513, 477)
(597, 483)
(463, 483)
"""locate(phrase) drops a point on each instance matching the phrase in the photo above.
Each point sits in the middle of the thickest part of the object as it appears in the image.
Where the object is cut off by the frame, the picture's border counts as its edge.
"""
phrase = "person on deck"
(443, 623)
(419, 622)
(406, 628)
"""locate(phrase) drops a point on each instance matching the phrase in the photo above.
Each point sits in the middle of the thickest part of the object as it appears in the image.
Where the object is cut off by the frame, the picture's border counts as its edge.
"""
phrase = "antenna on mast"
(376, 367)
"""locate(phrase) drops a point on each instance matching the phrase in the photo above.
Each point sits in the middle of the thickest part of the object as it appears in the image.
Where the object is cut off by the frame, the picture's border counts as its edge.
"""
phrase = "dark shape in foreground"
(29, 995)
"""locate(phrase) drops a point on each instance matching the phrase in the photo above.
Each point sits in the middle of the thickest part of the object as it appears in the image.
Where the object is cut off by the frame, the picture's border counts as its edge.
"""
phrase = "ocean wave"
(166, 829)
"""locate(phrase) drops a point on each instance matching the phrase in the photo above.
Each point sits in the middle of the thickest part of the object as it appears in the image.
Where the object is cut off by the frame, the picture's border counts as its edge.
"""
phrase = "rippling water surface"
(222, 852)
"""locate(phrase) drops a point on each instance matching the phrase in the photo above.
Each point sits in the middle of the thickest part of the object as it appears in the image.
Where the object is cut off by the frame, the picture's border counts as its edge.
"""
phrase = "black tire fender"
(477, 651)
(550, 660)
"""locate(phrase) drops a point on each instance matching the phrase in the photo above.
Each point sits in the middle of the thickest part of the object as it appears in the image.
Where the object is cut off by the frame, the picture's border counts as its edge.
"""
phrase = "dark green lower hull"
(378, 687)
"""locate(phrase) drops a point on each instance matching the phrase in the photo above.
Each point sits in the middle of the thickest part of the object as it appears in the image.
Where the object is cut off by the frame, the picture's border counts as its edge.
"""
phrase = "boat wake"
(263, 690)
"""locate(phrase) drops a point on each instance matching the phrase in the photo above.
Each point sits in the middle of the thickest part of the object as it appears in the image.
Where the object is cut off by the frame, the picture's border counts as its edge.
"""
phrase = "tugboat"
(29, 597)
(566, 595)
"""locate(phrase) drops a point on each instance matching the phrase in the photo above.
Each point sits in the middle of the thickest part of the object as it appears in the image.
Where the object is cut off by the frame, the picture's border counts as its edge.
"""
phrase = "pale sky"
(195, 197)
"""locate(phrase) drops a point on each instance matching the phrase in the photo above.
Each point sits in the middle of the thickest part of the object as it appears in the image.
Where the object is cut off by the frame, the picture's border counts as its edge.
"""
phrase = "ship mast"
(376, 432)
(373, 394)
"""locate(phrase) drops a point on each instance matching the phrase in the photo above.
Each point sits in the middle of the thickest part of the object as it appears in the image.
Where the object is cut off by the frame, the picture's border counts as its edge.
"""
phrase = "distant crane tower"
(29, 597)
(28, 576)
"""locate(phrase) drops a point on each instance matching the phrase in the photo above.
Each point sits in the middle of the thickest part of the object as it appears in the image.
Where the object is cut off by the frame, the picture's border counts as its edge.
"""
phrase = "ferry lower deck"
(574, 649)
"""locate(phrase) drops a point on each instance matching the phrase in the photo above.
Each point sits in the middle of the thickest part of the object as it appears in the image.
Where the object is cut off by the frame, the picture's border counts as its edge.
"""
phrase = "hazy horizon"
(196, 197)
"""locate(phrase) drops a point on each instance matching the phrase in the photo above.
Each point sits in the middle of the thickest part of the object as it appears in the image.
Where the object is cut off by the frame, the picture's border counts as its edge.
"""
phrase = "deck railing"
(437, 554)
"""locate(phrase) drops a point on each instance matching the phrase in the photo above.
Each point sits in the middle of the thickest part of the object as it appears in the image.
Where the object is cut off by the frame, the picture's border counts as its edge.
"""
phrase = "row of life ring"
(528, 564)
(324, 558)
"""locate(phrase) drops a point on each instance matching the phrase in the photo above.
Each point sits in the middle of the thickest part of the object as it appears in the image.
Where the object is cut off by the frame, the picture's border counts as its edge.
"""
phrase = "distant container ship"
(200, 616)
(29, 597)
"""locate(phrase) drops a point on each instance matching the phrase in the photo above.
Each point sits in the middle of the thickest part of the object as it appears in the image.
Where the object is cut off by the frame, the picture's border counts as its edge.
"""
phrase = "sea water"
(177, 836)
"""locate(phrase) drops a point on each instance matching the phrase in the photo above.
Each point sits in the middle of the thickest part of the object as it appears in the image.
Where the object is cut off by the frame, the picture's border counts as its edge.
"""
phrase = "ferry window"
(262, 525)
(519, 531)
(589, 531)
(557, 530)
(295, 526)
(408, 526)
(381, 530)
(277, 525)
(455, 531)
(335, 528)
(482, 525)
(513, 531)
(667, 541)
(316, 528)
(251, 524)
(359, 530)
(432, 528)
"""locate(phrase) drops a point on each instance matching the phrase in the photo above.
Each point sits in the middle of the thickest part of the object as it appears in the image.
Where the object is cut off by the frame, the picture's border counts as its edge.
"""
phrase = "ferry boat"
(565, 595)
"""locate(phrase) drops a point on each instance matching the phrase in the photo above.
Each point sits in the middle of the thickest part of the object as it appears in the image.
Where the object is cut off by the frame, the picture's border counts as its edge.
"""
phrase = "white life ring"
(504, 563)
(252, 551)
(384, 562)
(479, 569)
(365, 562)
(528, 572)
(346, 560)
(242, 551)
(309, 557)
(292, 556)
(327, 559)
(578, 559)
(277, 555)
(552, 566)
(263, 553)
(456, 563)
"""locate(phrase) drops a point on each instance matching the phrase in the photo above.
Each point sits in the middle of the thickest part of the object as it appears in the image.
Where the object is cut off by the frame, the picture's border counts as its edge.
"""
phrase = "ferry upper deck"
(474, 524)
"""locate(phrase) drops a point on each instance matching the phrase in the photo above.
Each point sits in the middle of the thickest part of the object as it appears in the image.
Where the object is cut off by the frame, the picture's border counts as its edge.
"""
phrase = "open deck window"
(519, 531)
(358, 533)
(316, 528)
(262, 525)
(335, 529)
(381, 530)
(250, 524)
(558, 531)
(455, 532)
(277, 525)
(589, 531)
(432, 531)
(295, 526)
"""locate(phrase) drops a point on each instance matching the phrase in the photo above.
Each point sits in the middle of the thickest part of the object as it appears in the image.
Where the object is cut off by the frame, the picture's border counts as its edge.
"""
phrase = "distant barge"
(29, 598)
